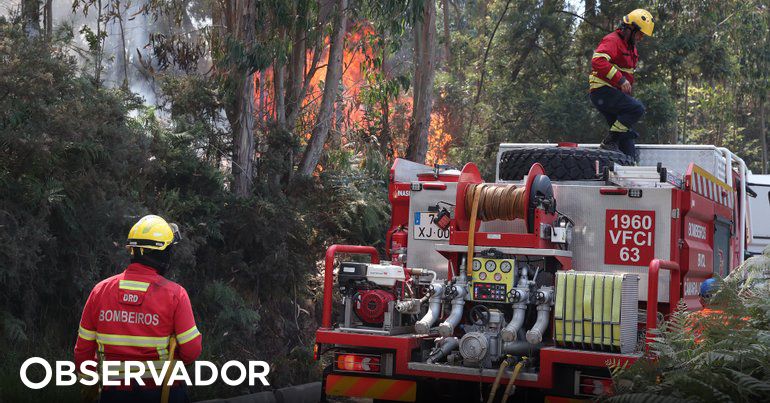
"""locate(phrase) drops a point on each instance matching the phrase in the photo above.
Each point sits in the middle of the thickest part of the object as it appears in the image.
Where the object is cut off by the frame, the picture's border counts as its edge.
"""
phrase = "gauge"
(498, 276)
(490, 266)
(482, 276)
(505, 266)
(476, 265)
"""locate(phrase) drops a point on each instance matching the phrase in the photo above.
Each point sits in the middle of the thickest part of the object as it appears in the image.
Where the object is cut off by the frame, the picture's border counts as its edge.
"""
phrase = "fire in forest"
(357, 119)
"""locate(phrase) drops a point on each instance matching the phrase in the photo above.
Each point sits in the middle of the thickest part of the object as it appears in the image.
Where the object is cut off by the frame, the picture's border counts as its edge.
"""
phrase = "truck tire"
(560, 163)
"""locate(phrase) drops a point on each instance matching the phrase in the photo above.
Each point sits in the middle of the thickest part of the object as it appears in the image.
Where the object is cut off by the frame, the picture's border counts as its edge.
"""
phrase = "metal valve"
(513, 296)
(543, 295)
(518, 295)
(432, 289)
(450, 292)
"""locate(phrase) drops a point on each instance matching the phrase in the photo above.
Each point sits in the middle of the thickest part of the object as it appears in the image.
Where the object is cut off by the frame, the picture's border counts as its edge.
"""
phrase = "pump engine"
(370, 293)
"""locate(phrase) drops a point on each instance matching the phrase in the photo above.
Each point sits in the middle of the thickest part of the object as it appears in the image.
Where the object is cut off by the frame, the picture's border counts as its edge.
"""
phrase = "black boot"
(610, 143)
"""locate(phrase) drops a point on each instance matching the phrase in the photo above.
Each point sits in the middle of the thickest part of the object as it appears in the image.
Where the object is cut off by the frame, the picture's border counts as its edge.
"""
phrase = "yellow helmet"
(153, 232)
(641, 19)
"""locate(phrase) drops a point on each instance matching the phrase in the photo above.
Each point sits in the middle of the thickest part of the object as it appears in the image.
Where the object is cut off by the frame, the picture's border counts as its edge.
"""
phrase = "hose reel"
(497, 202)
(502, 201)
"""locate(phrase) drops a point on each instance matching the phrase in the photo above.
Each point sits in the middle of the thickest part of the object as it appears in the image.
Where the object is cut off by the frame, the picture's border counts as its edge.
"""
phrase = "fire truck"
(530, 285)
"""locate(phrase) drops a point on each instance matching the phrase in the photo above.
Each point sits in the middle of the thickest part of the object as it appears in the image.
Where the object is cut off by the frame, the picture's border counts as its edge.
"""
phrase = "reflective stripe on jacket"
(612, 61)
(131, 316)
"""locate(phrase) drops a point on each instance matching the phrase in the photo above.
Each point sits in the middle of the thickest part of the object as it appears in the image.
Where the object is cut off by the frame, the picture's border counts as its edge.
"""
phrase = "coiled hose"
(492, 202)
(497, 202)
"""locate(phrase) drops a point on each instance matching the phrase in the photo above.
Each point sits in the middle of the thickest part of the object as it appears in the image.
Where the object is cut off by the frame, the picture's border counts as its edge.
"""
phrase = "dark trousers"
(177, 394)
(616, 106)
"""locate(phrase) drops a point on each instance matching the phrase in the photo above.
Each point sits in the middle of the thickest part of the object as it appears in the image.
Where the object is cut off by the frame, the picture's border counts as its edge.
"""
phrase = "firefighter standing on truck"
(612, 79)
(133, 315)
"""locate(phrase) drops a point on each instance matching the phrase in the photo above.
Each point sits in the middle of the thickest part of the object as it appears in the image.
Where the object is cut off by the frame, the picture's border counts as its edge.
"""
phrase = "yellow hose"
(511, 387)
(472, 230)
(503, 366)
(166, 388)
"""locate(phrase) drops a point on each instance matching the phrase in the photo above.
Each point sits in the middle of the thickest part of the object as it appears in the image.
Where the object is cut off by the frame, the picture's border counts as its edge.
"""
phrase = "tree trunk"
(261, 100)
(279, 78)
(293, 114)
(425, 60)
(100, 51)
(385, 146)
(331, 88)
(762, 137)
(243, 129)
(279, 85)
(297, 64)
(242, 115)
(447, 38)
(122, 57)
(590, 9)
(335, 133)
(30, 17)
(48, 18)
(686, 109)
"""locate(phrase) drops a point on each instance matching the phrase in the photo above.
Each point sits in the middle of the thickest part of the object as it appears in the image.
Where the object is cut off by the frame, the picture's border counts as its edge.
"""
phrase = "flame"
(438, 140)
(350, 118)
(349, 112)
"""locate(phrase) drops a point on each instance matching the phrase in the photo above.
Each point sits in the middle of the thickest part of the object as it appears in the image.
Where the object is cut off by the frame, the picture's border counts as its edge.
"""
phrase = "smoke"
(118, 61)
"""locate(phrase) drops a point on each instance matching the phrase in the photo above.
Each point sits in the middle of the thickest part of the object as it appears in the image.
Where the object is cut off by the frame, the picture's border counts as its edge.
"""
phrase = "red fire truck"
(531, 284)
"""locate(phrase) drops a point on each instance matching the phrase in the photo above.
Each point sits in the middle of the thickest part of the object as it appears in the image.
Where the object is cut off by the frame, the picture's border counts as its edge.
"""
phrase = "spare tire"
(560, 163)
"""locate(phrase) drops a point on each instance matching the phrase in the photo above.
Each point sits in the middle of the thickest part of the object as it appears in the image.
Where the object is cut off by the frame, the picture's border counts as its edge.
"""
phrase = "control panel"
(491, 279)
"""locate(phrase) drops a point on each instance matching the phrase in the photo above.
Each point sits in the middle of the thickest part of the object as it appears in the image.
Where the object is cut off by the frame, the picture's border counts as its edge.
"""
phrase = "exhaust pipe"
(434, 309)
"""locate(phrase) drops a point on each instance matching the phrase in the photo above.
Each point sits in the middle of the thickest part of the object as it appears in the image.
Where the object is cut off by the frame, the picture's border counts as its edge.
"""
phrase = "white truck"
(759, 221)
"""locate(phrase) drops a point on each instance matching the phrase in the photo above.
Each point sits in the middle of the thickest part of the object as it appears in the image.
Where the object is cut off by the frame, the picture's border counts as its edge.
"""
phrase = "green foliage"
(80, 163)
(659, 118)
(228, 315)
(700, 77)
(719, 355)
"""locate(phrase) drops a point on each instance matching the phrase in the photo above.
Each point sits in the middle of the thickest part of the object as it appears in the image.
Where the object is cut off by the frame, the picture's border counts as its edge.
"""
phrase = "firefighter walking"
(134, 315)
(612, 79)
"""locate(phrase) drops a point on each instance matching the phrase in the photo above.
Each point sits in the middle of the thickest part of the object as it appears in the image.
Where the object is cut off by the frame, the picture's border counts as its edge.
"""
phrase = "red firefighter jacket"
(613, 60)
(131, 316)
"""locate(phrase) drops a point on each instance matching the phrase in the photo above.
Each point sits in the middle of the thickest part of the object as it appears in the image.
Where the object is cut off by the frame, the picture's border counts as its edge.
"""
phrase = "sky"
(576, 5)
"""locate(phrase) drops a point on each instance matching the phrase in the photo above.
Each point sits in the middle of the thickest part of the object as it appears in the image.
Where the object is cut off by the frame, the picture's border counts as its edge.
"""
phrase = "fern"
(722, 357)
(14, 330)
(645, 398)
(756, 388)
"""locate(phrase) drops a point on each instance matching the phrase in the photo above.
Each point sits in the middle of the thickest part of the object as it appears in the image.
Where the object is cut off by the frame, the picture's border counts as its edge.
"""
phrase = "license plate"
(425, 228)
